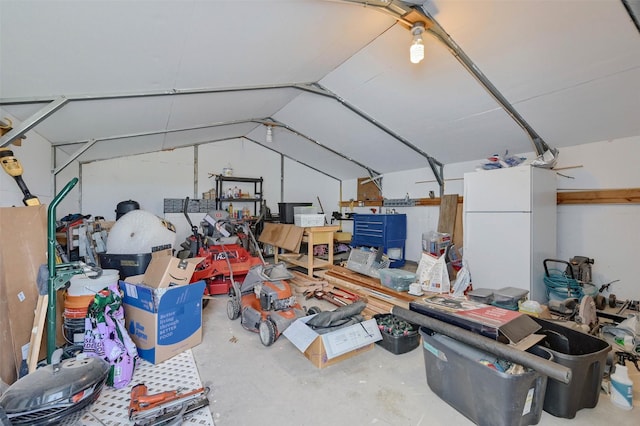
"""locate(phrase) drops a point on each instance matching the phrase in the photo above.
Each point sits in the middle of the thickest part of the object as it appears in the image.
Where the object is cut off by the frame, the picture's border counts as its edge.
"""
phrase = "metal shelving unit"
(221, 186)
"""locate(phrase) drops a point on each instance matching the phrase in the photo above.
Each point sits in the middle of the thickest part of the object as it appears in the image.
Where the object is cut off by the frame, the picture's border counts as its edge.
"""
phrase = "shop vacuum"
(56, 394)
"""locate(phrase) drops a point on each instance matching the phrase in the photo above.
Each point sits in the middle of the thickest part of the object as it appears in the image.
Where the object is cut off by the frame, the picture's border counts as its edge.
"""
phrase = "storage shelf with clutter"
(235, 189)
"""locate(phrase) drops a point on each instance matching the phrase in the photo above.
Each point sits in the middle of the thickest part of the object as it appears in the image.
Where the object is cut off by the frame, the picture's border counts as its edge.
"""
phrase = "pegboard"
(181, 371)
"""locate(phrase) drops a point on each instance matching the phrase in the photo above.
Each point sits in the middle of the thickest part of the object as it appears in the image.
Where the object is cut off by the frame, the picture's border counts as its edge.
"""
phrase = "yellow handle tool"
(12, 166)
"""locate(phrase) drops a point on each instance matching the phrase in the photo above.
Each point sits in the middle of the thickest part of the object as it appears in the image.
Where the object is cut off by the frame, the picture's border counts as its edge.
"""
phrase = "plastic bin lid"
(398, 273)
(481, 292)
(511, 292)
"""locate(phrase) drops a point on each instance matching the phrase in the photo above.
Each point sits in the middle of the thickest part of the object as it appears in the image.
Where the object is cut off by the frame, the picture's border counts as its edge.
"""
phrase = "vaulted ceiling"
(101, 79)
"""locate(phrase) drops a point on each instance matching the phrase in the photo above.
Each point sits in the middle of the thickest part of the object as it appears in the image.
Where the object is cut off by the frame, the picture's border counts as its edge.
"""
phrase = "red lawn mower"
(222, 245)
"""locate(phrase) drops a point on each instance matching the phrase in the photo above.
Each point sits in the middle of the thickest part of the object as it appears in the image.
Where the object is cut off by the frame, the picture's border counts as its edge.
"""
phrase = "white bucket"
(82, 285)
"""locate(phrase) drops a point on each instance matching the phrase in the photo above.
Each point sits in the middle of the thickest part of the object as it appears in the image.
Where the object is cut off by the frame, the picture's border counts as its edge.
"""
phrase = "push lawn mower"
(265, 302)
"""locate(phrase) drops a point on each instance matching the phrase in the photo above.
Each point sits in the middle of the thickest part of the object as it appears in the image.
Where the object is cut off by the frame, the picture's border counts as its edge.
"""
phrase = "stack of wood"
(380, 299)
(339, 285)
(320, 289)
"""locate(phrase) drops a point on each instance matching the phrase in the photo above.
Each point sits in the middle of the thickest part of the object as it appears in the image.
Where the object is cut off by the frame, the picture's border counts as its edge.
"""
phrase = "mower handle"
(185, 208)
(546, 270)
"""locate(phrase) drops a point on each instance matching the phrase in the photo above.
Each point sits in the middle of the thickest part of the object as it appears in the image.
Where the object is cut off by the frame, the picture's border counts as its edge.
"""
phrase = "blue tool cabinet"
(388, 231)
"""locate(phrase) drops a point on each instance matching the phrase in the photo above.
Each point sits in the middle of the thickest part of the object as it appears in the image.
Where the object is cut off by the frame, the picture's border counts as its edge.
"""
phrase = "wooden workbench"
(312, 236)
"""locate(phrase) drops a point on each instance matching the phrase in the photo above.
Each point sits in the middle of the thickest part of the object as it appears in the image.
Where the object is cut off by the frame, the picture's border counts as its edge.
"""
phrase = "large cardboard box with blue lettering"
(163, 312)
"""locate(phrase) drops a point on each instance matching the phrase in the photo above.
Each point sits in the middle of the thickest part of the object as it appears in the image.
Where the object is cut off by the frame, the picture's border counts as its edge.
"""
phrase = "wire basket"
(363, 261)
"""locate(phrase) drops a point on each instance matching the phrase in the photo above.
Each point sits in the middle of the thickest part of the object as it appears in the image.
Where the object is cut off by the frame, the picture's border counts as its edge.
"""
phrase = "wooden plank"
(281, 239)
(458, 231)
(367, 282)
(37, 332)
(269, 234)
(372, 297)
(447, 219)
(606, 196)
(597, 196)
(293, 238)
(433, 201)
(376, 203)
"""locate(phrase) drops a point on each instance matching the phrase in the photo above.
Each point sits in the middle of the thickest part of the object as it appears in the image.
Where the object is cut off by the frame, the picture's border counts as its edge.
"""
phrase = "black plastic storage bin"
(127, 264)
(398, 344)
(285, 211)
(484, 395)
(586, 356)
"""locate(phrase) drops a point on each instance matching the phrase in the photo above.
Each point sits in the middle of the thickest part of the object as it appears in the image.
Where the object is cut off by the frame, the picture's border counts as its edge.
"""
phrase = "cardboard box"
(327, 349)
(163, 312)
(165, 270)
(503, 325)
(23, 233)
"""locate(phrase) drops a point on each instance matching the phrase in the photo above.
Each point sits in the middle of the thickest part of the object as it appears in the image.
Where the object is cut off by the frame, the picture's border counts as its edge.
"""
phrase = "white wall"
(607, 233)
(302, 184)
(145, 178)
(150, 178)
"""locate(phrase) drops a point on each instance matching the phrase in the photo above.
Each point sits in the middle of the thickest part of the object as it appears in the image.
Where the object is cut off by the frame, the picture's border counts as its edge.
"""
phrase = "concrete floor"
(256, 385)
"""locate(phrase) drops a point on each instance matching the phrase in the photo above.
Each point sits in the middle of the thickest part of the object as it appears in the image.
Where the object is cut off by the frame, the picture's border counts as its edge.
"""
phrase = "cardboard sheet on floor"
(23, 232)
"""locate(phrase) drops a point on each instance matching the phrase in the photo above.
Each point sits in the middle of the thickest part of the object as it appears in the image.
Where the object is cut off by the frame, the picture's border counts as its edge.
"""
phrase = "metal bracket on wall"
(398, 202)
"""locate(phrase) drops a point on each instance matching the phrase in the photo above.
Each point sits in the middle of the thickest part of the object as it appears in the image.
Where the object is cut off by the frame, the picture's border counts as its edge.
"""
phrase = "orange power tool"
(155, 409)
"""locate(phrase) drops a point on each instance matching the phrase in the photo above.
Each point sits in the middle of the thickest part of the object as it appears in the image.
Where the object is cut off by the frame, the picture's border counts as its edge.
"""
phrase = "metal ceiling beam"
(159, 132)
(262, 121)
(291, 158)
(302, 135)
(318, 89)
(75, 155)
(32, 121)
(151, 93)
(155, 150)
(633, 9)
(314, 88)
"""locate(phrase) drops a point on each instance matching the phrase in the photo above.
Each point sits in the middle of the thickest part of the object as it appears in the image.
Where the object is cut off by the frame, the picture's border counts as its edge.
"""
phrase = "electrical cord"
(562, 286)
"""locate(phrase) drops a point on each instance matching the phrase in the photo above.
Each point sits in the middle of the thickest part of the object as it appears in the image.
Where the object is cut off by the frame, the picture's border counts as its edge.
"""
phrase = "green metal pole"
(51, 264)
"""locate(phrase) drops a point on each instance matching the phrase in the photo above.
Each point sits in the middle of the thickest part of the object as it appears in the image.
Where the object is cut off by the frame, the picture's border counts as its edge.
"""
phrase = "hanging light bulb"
(269, 136)
(416, 51)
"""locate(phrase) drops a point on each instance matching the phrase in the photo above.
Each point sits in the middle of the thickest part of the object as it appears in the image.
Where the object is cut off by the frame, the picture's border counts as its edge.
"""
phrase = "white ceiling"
(571, 69)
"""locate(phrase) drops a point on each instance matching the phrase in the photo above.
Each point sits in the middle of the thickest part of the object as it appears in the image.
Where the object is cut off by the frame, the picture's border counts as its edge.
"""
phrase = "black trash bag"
(344, 316)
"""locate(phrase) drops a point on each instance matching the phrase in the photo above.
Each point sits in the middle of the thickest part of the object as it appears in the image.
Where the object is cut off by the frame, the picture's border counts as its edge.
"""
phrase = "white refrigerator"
(510, 227)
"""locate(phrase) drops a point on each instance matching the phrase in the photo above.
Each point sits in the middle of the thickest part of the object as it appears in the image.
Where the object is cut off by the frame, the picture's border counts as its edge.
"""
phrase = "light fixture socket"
(269, 135)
